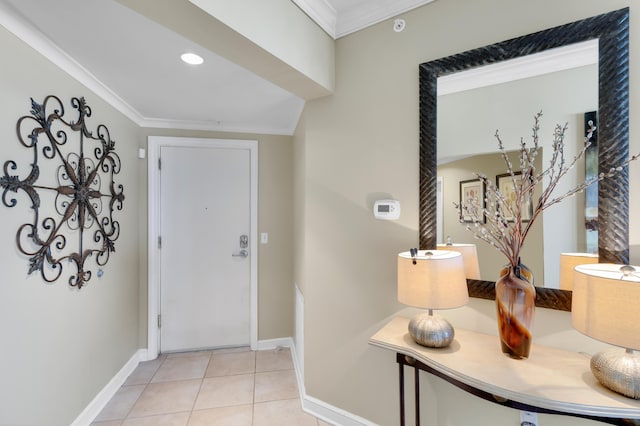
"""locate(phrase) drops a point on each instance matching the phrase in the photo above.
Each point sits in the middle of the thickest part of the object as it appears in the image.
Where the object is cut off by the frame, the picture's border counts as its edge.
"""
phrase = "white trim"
(25, 31)
(552, 60)
(103, 397)
(311, 405)
(317, 408)
(331, 414)
(153, 260)
(270, 344)
(153, 149)
(219, 126)
(321, 12)
(298, 329)
(359, 16)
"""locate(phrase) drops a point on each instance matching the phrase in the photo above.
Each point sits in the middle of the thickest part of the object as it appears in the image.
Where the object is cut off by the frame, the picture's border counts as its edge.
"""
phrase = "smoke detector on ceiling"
(398, 25)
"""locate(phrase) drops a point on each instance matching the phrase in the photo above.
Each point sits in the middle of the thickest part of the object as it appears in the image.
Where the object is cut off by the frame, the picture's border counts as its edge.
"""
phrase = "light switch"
(264, 238)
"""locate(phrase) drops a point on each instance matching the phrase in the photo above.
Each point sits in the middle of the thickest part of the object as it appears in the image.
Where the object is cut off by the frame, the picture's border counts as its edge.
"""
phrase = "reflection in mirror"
(467, 122)
(612, 32)
(490, 260)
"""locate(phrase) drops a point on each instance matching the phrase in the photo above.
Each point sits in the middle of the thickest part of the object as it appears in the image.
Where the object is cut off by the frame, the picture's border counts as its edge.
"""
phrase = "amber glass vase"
(515, 302)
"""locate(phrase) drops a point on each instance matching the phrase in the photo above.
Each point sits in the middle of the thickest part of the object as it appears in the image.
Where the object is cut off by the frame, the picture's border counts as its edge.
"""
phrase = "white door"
(205, 226)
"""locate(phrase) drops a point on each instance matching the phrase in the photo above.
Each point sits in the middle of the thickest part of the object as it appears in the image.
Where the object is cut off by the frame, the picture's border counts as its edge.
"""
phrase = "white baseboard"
(332, 415)
(298, 329)
(320, 409)
(94, 408)
(266, 345)
(315, 407)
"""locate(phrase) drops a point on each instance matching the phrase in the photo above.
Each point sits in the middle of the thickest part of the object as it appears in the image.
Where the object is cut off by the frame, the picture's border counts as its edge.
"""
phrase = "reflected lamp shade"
(605, 307)
(432, 279)
(469, 258)
(568, 261)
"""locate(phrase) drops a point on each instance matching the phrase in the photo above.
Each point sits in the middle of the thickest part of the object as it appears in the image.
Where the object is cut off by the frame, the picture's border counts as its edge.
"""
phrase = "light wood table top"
(550, 378)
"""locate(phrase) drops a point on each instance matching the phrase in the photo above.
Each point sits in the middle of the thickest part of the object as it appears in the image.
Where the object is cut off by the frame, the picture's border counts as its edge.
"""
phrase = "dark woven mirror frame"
(612, 31)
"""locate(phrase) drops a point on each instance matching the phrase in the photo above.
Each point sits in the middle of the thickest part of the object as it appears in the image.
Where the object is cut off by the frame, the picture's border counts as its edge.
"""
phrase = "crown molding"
(358, 17)
(218, 126)
(321, 12)
(25, 31)
(354, 18)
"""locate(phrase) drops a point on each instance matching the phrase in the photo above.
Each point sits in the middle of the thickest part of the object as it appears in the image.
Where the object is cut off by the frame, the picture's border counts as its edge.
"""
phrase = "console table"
(551, 381)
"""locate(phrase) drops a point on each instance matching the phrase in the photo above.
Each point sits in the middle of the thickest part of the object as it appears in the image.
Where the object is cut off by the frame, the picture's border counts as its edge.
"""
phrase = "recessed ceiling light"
(192, 58)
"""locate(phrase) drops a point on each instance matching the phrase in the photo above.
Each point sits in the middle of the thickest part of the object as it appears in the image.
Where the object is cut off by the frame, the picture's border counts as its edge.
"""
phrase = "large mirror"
(611, 32)
(563, 84)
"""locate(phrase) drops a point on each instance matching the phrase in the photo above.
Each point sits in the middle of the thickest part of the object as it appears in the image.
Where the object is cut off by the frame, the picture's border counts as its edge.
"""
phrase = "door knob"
(243, 253)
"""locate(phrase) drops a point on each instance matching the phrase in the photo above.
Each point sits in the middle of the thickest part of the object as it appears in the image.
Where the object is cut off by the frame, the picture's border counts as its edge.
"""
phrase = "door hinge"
(159, 321)
(159, 164)
(159, 242)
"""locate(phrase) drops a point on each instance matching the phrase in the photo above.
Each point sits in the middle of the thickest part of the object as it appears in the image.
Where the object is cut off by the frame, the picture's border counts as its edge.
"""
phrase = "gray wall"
(361, 144)
(61, 346)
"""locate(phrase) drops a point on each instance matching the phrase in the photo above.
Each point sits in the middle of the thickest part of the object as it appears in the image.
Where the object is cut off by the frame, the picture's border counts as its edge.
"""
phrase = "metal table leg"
(401, 376)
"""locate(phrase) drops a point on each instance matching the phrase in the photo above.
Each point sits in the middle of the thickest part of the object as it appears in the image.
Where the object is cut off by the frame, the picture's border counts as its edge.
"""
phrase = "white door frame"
(153, 154)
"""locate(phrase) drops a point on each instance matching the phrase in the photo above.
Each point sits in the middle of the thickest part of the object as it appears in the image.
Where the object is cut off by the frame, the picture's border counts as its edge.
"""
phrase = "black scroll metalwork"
(84, 196)
(612, 32)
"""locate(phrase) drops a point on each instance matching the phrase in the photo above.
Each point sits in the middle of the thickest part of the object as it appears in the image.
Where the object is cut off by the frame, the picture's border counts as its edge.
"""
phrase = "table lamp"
(469, 257)
(431, 279)
(568, 261)
(605, 307)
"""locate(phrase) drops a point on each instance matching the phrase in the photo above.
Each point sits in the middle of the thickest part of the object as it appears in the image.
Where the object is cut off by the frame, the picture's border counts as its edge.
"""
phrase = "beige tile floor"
(231, 387)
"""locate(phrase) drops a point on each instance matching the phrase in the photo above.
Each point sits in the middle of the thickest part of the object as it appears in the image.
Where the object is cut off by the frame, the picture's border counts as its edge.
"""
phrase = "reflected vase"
(515, 303)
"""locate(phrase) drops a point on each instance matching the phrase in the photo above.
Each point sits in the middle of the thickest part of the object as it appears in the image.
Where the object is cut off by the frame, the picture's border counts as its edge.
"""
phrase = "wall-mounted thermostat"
(386, 209)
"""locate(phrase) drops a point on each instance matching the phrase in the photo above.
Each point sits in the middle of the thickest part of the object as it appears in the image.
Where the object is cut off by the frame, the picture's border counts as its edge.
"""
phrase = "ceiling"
(133, 62)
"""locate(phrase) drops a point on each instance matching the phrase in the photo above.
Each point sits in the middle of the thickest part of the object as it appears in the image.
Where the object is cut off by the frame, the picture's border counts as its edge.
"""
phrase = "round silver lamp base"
(618, 371)
(431, 330)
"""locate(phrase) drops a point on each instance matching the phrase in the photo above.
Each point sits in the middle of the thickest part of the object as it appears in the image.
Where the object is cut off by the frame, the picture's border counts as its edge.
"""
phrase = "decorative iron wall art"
(72, 190)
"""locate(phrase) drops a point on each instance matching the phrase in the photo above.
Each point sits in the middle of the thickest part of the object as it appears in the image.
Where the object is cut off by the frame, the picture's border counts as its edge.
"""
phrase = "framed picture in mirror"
(472, 194)
(507, 186)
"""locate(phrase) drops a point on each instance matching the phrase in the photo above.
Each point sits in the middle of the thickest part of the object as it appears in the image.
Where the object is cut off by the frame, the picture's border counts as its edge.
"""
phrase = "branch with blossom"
(500, 222)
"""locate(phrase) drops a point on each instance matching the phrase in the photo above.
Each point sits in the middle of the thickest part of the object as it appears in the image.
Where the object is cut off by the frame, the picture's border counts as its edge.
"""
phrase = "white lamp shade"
(469, 257)
(436, 281)
(605, 304)
(568, 261)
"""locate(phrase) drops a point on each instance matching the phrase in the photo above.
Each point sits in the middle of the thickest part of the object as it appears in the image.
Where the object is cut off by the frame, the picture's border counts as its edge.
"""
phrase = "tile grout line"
(268, 368)
(146, 385)
(253, 396)
(204, 375)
